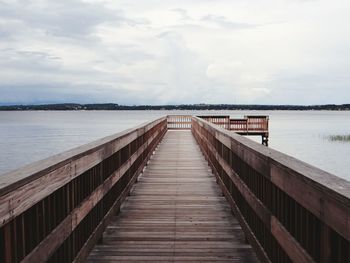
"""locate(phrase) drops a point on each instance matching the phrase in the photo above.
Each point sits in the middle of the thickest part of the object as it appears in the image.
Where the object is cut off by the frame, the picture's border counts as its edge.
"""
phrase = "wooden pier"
(175, 213)
(165, 191)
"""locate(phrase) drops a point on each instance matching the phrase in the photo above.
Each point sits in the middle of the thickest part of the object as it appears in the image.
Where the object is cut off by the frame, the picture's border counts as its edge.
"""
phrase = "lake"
(28, 136)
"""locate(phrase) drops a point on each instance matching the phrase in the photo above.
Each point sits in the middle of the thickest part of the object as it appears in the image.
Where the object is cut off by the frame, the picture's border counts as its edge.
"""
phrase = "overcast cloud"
(184, 51)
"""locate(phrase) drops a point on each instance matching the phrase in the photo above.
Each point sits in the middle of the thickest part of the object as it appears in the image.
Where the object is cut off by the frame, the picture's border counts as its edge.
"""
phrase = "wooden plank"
(175, 212)
(7, 244)
(295, 252)
(14, 203)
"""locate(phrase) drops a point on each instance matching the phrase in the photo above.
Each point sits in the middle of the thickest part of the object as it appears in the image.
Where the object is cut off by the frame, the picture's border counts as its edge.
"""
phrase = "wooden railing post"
(325, 247)
(7, 243)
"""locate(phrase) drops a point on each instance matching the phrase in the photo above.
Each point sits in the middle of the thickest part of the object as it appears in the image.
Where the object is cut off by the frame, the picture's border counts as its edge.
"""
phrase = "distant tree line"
(112, 106)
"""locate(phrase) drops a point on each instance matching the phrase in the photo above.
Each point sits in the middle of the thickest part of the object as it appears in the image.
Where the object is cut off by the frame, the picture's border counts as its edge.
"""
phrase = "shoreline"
(223, 107)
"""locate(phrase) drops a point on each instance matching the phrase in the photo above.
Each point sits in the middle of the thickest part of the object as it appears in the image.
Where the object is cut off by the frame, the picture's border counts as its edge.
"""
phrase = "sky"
(175, 52)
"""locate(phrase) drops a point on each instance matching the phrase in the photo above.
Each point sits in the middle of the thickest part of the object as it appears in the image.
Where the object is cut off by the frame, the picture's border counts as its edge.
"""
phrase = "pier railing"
(290, 211)
(222, 121)
(250, 124)
(179, 122)
(56, 209)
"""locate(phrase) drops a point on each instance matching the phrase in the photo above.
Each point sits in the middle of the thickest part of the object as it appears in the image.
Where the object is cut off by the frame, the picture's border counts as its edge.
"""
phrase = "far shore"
(113, 106)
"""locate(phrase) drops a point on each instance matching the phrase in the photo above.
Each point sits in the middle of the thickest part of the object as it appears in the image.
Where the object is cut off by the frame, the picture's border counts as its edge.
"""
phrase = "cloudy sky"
(178, 51)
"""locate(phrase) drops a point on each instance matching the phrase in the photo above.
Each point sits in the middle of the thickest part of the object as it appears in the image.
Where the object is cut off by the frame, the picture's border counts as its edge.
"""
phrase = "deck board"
(175, 213)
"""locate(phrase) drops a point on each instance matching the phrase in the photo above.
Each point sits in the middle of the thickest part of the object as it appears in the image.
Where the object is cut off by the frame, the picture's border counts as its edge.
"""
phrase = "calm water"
(30, 136)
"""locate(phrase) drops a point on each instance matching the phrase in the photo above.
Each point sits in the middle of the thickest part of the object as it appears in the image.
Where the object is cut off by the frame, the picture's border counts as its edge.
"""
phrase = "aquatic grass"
(339, 138)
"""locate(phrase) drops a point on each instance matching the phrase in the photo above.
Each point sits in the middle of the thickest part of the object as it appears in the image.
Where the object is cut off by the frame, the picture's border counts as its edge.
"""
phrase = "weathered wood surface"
(54, 209)
(298, 213)
(24, 187)
(175, 213)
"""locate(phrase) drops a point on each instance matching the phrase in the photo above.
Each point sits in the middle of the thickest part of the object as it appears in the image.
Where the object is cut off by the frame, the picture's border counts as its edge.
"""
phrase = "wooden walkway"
(175, 213)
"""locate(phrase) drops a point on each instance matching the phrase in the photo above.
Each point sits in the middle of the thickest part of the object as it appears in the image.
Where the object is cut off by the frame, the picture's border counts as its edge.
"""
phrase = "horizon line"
(167, 105)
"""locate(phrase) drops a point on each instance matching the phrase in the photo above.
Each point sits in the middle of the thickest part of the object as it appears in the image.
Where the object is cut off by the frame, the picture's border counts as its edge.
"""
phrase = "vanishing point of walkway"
(175, 213)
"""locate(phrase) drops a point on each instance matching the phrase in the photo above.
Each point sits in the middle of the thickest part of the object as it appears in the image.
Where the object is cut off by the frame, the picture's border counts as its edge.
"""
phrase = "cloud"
(222, 21)
(165, 52)
(182, 13)
(65, 18)
(28, 60)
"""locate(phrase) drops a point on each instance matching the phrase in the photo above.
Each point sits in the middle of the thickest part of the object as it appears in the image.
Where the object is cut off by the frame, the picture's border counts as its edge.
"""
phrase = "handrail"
(179, 122)
(220, 120)
(290, 210)
(58, 207)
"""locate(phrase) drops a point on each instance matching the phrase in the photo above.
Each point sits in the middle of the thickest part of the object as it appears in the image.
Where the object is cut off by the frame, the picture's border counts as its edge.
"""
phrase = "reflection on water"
(29, 136)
